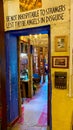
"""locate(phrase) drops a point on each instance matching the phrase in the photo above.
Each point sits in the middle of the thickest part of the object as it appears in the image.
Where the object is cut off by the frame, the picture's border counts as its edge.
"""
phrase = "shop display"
(26, 72)
(40, 60)
(46, 59)
(23, 61)
(24, 78)
(43, 60)
(33, 65)
(35, 61)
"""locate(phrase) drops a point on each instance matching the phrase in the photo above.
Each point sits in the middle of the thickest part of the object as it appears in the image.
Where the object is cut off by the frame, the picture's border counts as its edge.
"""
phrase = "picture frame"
(60, 61)
(27, 5)
(61, 43)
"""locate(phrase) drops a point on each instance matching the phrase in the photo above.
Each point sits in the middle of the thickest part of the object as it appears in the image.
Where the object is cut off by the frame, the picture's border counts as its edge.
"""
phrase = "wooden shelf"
(40, 59)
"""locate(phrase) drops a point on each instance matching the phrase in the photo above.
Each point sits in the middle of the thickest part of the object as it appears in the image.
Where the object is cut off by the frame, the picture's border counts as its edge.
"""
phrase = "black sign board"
(61, 80)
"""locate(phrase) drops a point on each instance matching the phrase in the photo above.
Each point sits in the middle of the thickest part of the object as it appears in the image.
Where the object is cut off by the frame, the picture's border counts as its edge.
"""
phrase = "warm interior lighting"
(23, 55)
(35, 35)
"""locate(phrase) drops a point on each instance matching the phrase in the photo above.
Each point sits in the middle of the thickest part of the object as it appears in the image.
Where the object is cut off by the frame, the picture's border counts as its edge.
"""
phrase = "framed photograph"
(60, 61)
(61, 43)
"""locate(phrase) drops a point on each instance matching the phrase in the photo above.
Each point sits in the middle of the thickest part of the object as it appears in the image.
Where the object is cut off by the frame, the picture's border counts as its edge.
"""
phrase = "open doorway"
(33, 58)
(13, 46)
(33, 69)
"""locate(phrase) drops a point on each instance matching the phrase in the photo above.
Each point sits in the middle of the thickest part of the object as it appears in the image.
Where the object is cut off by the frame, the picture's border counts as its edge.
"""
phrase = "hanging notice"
(35, 17)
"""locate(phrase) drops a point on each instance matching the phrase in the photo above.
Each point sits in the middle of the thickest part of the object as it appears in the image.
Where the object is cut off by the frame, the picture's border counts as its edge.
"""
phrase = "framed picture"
(27, 5)
(61, 43)
(60, 61)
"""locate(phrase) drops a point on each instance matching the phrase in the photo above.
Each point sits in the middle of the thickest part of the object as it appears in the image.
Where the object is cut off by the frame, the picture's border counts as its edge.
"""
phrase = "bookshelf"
(40, 59)
(35, 60)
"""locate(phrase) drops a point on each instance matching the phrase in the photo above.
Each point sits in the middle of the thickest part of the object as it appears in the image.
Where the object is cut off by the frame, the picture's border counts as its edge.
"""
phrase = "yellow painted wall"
(61, 109)
(62, 104)
(61, 29)
(71, 51)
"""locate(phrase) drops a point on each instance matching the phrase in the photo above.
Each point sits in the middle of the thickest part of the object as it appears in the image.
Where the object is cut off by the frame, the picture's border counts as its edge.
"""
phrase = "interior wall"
(71, 51)
(61, 29)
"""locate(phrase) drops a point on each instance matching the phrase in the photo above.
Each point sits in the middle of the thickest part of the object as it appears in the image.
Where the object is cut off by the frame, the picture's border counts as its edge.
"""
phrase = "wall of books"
(40, 60)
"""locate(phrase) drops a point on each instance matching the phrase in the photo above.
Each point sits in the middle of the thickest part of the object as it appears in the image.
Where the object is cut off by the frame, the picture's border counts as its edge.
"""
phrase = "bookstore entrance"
(30, 52)
(34, 52)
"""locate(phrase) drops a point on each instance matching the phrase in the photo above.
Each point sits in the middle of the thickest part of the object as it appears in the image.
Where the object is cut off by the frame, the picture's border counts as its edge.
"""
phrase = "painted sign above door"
(20, 14)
